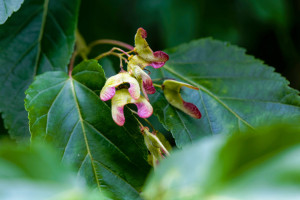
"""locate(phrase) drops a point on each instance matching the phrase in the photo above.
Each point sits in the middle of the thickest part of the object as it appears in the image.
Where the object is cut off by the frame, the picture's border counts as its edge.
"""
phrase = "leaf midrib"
(86, 141)
(38, 55)
(63, 83)
(209, 93)
(84, 132)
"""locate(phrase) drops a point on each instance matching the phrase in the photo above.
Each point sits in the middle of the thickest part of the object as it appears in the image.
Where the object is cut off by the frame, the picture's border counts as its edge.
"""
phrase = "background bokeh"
(267, 29)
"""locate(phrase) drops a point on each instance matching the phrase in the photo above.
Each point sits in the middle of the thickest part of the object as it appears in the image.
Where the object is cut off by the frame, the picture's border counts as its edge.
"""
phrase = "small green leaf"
(37, 38)
(36, 173)
(70, 115)
(236, 92)
(7, 7)
(264, 165)
(90, 74)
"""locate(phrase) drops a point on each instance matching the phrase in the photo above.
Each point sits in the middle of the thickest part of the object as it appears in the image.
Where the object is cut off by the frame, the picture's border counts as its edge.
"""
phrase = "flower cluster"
(125, 87)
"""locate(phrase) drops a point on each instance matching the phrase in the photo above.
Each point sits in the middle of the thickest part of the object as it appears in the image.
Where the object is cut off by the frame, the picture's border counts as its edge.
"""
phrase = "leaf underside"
(236, 91)
(37, 38)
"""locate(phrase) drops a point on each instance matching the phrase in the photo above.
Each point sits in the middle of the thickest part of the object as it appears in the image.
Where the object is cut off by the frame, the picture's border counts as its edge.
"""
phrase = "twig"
(111, 52)
(113, 42)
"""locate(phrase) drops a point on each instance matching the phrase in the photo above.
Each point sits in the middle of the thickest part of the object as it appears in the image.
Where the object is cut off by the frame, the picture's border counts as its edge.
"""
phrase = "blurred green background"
(267, 29)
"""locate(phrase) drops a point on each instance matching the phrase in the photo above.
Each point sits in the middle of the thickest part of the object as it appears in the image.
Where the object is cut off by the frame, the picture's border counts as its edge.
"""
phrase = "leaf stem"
(146, 120)
(71, 65)
(111, 52)
(149, 123)
(140, 123)
(113, 42)
(157, 85)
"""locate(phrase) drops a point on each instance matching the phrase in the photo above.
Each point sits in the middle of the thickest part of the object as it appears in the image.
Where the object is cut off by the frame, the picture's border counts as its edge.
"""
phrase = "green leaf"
(236, 92)
(108, 67)
(37, 38)
(70, 115)
(264, 165)
(36, 173)
(7, 7)
(88, 71)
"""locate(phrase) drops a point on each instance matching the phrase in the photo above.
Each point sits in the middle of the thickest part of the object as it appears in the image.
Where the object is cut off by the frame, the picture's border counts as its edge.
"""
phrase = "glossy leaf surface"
(37, 38)
(65, 112)
(236, 92)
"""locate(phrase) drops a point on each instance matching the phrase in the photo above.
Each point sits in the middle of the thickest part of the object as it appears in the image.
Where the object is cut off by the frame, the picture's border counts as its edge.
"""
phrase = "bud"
(142, 77)
(172, 93)
(109, 89)
(121, 98)
(155, 59)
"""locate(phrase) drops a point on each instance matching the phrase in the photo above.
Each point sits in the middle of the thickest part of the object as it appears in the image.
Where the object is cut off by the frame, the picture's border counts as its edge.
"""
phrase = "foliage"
(260, 165)
(66, 112)
(35, 173)
(206, 95)
(41, 38)
(236, 92)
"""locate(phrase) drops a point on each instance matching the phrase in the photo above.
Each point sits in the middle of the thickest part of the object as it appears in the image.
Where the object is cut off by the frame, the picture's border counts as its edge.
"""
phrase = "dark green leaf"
(264, 165)
(7, 7)
(70, 115)
(108, 67)
(35, 173)
(236, 91)
(90, 74)
(37, 38)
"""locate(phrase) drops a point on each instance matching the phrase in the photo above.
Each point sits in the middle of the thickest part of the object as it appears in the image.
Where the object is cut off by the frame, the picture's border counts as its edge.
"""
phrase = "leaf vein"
(50, 107)
(205, 109)
(112, 172)
(84, 132)
(73, 129)
(209, 93)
